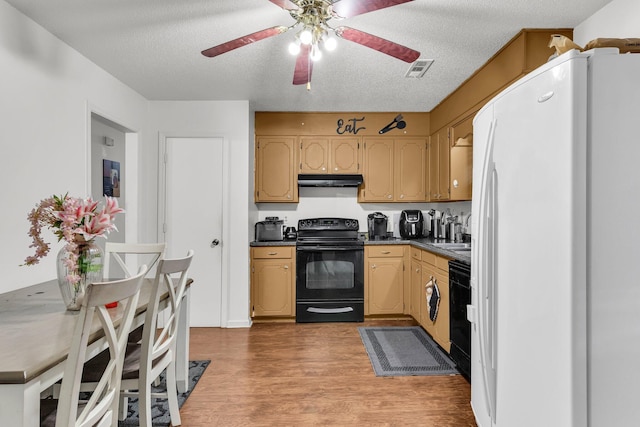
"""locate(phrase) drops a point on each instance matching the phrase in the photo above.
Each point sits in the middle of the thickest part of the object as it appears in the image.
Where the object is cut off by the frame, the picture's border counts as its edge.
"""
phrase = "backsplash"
(318, 202)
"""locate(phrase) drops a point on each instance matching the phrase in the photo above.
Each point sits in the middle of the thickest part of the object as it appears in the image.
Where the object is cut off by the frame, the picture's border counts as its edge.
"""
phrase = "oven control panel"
(328, 224)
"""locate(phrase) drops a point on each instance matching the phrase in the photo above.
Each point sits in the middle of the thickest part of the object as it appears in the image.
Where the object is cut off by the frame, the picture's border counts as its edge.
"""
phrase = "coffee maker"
(377, 222)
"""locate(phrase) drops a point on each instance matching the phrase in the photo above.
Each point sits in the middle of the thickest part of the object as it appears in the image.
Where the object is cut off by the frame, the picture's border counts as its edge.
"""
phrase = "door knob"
(215, 243)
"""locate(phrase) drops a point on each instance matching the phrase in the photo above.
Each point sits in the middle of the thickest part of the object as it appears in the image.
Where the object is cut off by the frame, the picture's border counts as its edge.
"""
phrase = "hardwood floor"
(288, 374)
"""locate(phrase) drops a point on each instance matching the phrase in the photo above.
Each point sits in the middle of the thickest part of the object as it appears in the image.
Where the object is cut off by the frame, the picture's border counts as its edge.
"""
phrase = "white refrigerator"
(555, 270)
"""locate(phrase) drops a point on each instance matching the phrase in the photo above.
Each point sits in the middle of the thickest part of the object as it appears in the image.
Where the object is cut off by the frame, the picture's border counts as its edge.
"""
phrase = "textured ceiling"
(154, 47)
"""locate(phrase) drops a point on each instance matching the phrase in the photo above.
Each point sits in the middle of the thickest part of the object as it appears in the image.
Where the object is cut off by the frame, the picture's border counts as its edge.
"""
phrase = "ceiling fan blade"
(349, 8)
(285, 4)
(304, 66)
(243, 41)
(377, 43)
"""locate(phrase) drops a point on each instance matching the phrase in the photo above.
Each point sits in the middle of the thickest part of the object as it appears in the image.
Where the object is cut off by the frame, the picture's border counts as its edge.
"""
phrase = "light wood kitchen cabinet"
(410, 181)
(384, 279)
(439, 166)
(461, 161)
(273, 281)
(435, 269)
(378, 171)
(394, 170)
(325, 155)
(276, 174)
(417, 290)
(525, 52)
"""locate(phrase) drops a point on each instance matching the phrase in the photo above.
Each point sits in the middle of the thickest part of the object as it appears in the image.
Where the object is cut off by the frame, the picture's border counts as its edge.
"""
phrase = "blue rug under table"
(160, 407)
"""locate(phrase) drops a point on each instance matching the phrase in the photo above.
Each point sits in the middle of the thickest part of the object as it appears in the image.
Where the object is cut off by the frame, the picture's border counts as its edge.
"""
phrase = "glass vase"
(73, 280)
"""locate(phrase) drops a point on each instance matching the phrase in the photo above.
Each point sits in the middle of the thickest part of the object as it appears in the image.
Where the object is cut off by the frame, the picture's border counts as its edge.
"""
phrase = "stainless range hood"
(325, 180)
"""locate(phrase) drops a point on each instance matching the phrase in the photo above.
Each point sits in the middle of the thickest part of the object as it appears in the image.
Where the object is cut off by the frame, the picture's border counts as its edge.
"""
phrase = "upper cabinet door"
(314, 155)
(439, 165)
(324, 155)
(444, 153)
(462, 132)
(410, 170)
(345, 155)
(378, 170)
(461, 173)
(275, 169)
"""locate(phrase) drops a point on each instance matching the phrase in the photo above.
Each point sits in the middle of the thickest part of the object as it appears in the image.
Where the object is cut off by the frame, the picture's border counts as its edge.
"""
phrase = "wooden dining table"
(35, 336)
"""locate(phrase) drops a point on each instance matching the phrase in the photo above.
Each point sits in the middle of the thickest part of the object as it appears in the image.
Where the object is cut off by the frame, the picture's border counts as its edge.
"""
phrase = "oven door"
(329, 273)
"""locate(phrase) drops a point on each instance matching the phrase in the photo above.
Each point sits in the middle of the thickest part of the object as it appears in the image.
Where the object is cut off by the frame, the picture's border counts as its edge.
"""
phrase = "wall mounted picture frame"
(111, 179)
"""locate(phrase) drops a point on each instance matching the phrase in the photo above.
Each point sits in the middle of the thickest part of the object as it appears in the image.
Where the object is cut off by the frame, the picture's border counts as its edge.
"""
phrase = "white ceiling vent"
(418, 68)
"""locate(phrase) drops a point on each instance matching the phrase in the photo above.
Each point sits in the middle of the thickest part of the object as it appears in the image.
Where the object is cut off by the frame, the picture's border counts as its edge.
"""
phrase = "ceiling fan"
(312, 18)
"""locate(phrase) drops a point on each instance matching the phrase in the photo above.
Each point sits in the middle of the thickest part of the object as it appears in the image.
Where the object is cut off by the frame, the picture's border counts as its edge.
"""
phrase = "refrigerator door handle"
(493, 276)
(484, 294)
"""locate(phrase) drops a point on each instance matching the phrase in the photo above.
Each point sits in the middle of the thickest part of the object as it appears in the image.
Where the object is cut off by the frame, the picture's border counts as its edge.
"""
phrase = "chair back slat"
(148, 253)
(102, 406)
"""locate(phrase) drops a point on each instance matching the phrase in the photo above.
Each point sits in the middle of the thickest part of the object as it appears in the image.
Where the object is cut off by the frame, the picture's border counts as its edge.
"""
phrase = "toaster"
(411, 224)
(269, 230)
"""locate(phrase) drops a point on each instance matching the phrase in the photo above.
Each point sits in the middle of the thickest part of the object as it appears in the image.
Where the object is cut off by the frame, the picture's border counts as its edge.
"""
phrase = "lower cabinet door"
(438, 328)
(386, 285)
(272, 287)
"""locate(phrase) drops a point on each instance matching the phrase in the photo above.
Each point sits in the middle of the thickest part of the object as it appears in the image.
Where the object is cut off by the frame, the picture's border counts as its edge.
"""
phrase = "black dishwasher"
(459, 326)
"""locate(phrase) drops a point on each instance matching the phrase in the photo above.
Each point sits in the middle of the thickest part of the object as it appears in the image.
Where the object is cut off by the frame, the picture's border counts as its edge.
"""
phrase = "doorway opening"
(112, 149)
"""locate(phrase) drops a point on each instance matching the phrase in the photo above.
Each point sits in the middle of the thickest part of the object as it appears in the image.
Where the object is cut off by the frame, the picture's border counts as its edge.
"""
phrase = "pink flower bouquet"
(72, 219)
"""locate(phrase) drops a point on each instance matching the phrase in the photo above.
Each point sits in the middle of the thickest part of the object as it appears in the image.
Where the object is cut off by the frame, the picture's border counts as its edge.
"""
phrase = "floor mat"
(402, 351)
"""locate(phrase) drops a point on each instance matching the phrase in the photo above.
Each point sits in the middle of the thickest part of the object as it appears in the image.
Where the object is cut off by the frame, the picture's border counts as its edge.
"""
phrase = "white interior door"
(193, 209)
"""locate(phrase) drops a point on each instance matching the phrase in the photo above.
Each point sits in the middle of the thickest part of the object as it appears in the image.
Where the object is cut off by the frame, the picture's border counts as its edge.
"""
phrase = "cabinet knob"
(286, 267)
(373, 266)
(385, 252)
(324, 169)
(417, 270)
(402, 196)
(288, 196)
(272, 253)
(388, 196)
(336, 169)
(455, 183)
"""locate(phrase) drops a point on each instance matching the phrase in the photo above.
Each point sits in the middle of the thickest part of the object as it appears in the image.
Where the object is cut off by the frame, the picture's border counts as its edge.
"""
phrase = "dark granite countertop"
(424, 243)
(274, 243)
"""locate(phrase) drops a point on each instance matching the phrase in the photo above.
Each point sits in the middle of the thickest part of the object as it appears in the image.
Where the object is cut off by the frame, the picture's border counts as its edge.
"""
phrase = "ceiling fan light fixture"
(316, 53)
(306, 36)
(311, 23)
(294, 48)
(330, 43)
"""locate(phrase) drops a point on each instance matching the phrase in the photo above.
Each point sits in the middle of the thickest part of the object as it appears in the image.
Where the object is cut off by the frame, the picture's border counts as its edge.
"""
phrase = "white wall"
(48, 91)
(228, 119)
(618, 19)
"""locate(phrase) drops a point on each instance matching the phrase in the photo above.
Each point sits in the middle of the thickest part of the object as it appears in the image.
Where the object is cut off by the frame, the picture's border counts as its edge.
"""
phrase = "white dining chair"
(102, 407)
(148, 254)
(145, 360)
